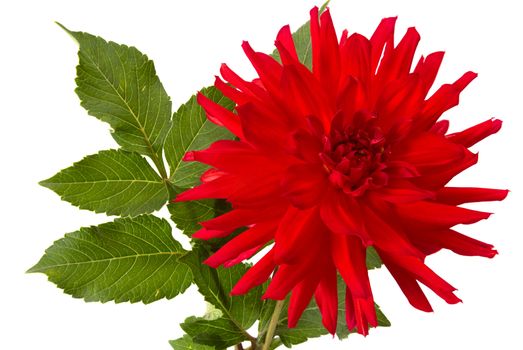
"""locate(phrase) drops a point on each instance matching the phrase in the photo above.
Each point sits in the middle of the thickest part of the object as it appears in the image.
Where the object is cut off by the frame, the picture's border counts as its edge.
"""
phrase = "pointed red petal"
(285, 45)
(220, 116)
(296, 230)
(438, 215)
(384, 35)
(460, 195)
(300, 298)
(417, 269)
(473, 135)
(355, 55)
(209, 234)
(304, 185)
(398, 64)
(256, 275)
(327, 298)
(268, 69)
(459, 243)
(341, 214)
(409, 286)
(349, 258)
(427, 69)
(245, 241)
(446, 97)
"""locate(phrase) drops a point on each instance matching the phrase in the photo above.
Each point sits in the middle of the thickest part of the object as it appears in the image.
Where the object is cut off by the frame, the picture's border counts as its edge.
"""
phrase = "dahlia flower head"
(330, 161)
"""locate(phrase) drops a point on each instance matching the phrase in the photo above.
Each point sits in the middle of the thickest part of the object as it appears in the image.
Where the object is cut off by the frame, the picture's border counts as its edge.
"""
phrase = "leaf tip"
(65, 29)
(34, 269)
(324, 6)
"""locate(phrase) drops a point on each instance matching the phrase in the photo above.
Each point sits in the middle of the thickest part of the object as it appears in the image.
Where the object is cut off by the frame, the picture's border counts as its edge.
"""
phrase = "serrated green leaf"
(186, 343)
(118, 85)
(192, 131)
(130, 259)
(188, 215)
(114, 182)
(302, 42)
(239, 312)
(310, 324)
(373, 260)
(220, 333)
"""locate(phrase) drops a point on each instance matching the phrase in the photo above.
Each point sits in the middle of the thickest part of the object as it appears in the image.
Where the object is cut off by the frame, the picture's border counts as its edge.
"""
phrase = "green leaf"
(220, 333)
(118, 85)
(188, 215)
(373, 259)
(302, 42)
(130, 259)
(192, 131)
(186, 343)
(310, 325)
(114, 182)
(239, 312)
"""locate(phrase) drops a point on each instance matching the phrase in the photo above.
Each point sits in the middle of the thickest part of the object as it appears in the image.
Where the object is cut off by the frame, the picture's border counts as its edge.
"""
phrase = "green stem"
(272, 324)
(158, 161)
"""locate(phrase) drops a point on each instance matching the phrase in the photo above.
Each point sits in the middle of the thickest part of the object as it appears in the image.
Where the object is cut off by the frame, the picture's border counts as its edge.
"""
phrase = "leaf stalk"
(272, 324)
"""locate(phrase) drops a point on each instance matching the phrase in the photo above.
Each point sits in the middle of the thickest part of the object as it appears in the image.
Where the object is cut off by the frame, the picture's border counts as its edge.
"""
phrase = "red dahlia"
(331, 161)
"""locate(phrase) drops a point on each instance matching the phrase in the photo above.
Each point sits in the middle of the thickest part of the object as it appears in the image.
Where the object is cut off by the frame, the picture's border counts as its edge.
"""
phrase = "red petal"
(460, 195)
(256, 275)
(402, 191)
(384, 35)
(441, 127)
(306, 146)
(427, 151)
(427, 69)
(349, 257)
(219, 188)
(304, 185)
(252, 238)
(243, 217)
(243, 256)
(249, 88)
(327, 298)
(230, 92)
(355, 58)
(220, 115)
(399, 102)
(211, 175)
(458, 243)
(398, 64)
(268, 69)
(209, 234)
(417, 269)
(351, 99)
(304, 94)
(473, 135)
(446, 97)
(409, 286)
(350, 312)
(300, 298)
(327, 69)
(286, 278)
(261, 131)
(285, 45)
(440, 176)
(384, 236)
(438, 215)
(296, 230)
(341, 214)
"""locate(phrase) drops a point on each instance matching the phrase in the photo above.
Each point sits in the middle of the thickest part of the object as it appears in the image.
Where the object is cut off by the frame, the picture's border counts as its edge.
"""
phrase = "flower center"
(354, 157)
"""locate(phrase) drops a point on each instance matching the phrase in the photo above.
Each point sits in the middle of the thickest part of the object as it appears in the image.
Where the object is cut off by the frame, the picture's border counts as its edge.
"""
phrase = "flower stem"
(272, 325)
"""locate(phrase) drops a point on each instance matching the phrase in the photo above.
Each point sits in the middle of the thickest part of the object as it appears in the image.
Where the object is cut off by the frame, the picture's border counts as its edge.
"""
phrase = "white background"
(44, 129)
